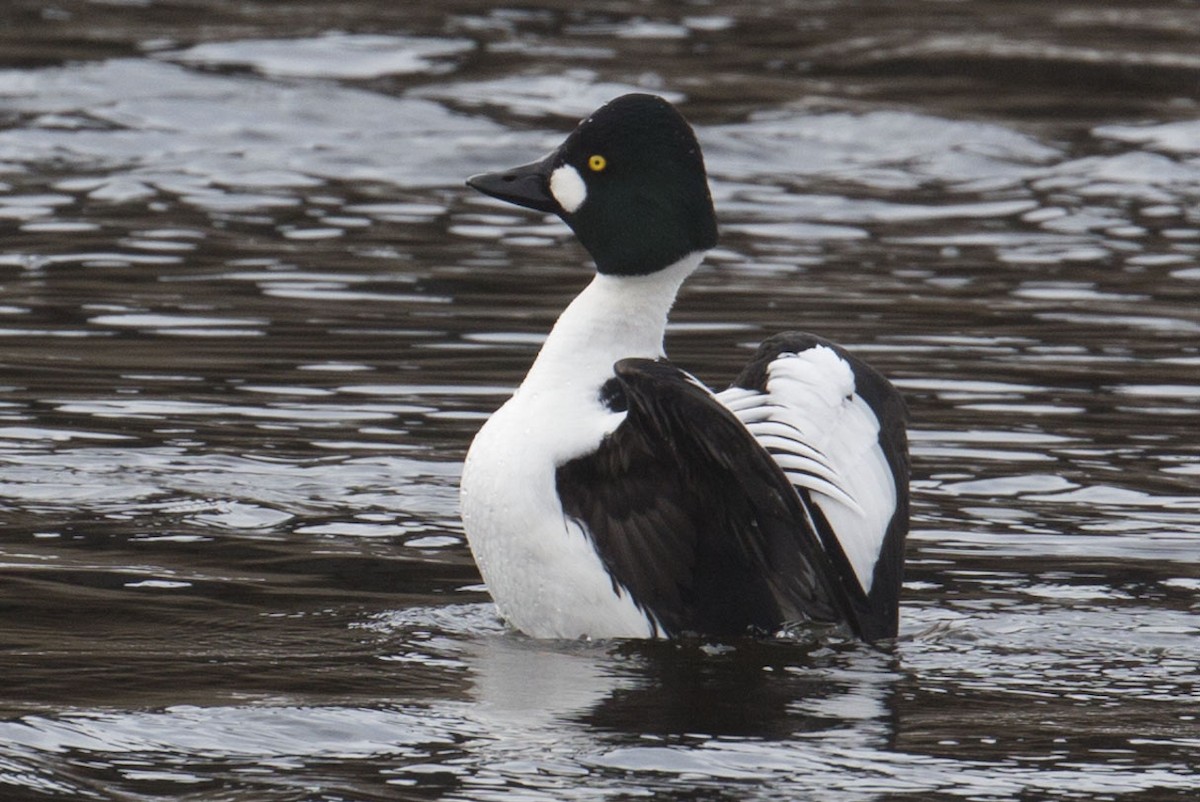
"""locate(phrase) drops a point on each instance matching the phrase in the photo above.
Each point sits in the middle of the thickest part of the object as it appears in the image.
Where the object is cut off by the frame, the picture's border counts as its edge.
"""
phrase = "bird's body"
(615, 496)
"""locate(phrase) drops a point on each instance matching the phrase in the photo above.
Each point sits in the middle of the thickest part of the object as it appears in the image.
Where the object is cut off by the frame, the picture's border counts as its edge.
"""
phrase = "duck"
(614, 495)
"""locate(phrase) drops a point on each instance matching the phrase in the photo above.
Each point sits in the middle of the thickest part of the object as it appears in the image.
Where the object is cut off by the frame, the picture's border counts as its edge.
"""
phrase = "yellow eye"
(597, 163)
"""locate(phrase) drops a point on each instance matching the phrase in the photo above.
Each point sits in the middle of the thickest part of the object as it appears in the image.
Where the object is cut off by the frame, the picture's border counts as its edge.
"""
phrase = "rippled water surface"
(250, 320)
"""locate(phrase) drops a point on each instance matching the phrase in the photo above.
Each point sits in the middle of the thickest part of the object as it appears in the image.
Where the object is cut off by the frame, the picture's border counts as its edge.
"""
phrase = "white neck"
(613, 318)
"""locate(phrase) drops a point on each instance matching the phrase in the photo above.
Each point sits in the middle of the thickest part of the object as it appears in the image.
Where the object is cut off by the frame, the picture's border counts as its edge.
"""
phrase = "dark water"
(251, 319)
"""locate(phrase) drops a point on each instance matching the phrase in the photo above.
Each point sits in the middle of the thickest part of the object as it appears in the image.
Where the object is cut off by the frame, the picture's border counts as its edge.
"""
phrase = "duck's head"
(630, 183)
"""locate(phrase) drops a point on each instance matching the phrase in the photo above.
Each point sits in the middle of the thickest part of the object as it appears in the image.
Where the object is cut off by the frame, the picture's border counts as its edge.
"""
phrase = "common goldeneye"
(614, 495)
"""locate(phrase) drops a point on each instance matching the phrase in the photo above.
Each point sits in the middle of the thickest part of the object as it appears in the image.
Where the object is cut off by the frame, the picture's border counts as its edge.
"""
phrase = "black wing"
(694, 519)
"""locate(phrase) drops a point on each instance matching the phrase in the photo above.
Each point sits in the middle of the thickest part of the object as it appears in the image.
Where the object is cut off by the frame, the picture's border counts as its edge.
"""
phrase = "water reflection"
(751, 721)
(251, 320)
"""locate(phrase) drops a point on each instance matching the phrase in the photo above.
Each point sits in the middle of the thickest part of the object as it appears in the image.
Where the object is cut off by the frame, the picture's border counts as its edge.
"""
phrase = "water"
(251, 319)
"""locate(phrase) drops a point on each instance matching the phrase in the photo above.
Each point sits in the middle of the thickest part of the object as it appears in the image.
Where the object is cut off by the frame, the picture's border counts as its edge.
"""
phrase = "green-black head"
(629, 181)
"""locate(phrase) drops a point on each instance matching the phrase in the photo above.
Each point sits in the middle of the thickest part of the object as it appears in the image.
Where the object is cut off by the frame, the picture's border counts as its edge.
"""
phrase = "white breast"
(541, 570)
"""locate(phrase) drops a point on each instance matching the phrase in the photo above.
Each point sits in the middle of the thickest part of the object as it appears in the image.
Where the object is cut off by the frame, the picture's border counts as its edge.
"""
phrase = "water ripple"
(252, 319)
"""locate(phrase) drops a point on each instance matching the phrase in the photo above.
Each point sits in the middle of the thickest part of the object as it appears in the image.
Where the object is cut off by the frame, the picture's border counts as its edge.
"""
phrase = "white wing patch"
(825, 437)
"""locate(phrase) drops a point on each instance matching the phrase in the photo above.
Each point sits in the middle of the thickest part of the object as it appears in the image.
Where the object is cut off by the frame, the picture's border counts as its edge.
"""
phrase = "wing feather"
(694, 519)
(837, 429)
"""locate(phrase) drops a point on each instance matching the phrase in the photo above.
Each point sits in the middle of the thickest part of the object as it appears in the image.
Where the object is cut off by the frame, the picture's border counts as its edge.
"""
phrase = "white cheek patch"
(567, 187)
